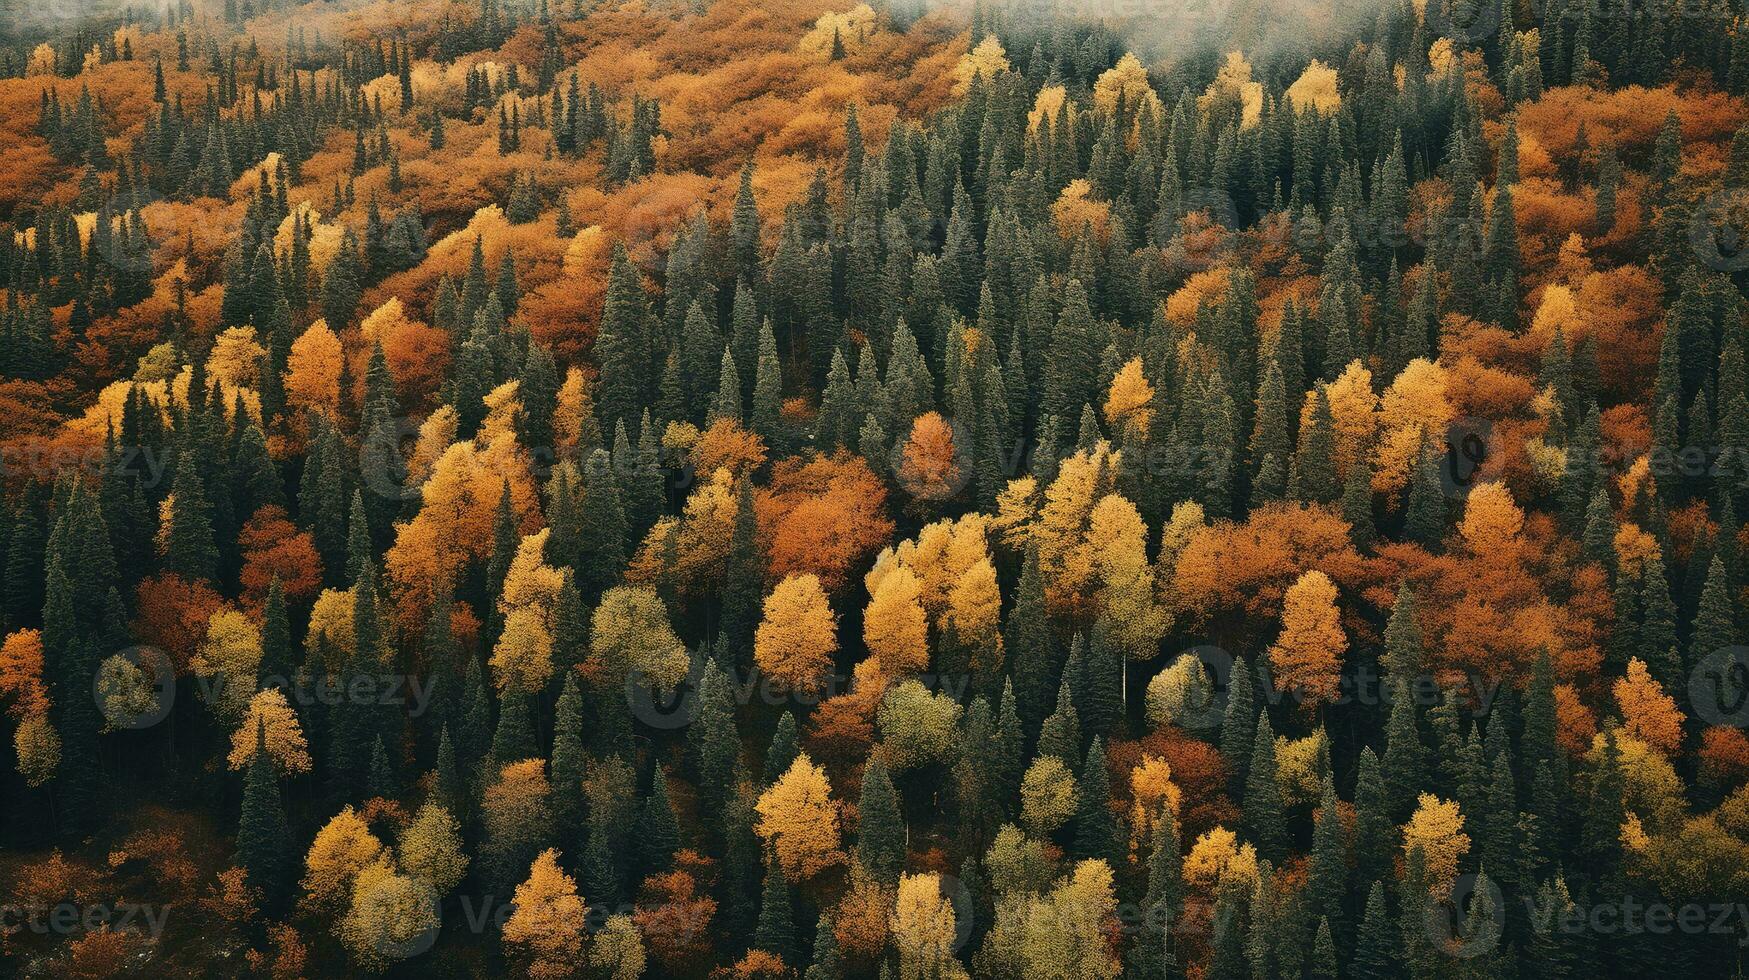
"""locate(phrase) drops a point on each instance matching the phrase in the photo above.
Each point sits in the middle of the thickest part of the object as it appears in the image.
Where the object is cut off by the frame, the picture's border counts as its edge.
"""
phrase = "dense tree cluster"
(615, 490)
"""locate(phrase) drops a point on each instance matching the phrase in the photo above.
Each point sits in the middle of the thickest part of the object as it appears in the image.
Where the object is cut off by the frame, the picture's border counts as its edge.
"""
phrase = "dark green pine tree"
(1403, 647)
(1405, 755)
(1154, 951)
(448, 790)
(658, 830)
(1238, 726)
(1096, 833)
(1657, 632)
(1270, 438)
(383, 783)
(881, 831)
(1714, 624)
(1263, 807)
(599, 877)
(276, 642)
(1227, 958)
(263, 839)
(624, 346)
(603, 530)
(1377, 955)
(712, 741)
(474, 735)
(828, 963)
(513, 739)
(1323, 964)
(1008, 745)
(776, 931)
(1027, 634)
(1072, 364)
(1424, 516)
(568, 760)
(1060, 735)
(1314, 464)
(1099, 694)
(191, 550)
(1357, 503)
(1327, 871)
(784, 748)
(1373, 827)
(1600, 830)
(741, 865)
(743, 584)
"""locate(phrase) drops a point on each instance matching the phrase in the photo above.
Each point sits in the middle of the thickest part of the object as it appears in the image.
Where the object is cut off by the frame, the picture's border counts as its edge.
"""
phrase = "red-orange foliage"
(1197, 768)
(273, 545)
(675, 920)
(173, 614)
(822, 516)
(1244, 570)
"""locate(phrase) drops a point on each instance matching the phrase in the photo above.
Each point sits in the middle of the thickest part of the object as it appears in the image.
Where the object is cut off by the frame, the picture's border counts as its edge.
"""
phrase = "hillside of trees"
(728, 489)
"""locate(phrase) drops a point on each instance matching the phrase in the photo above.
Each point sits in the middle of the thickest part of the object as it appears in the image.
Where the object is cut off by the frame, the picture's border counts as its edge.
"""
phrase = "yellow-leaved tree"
(923, 930)
(1307, 656)
(798, 634)
(229, 659)
(630, 631)
(342, 848)
(269, 712)
(389, 916)
(545, 933)
(799, 820)
(894, 626)
(430, 848)
(1437, 827)
(312, 370)
(1648, 713)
